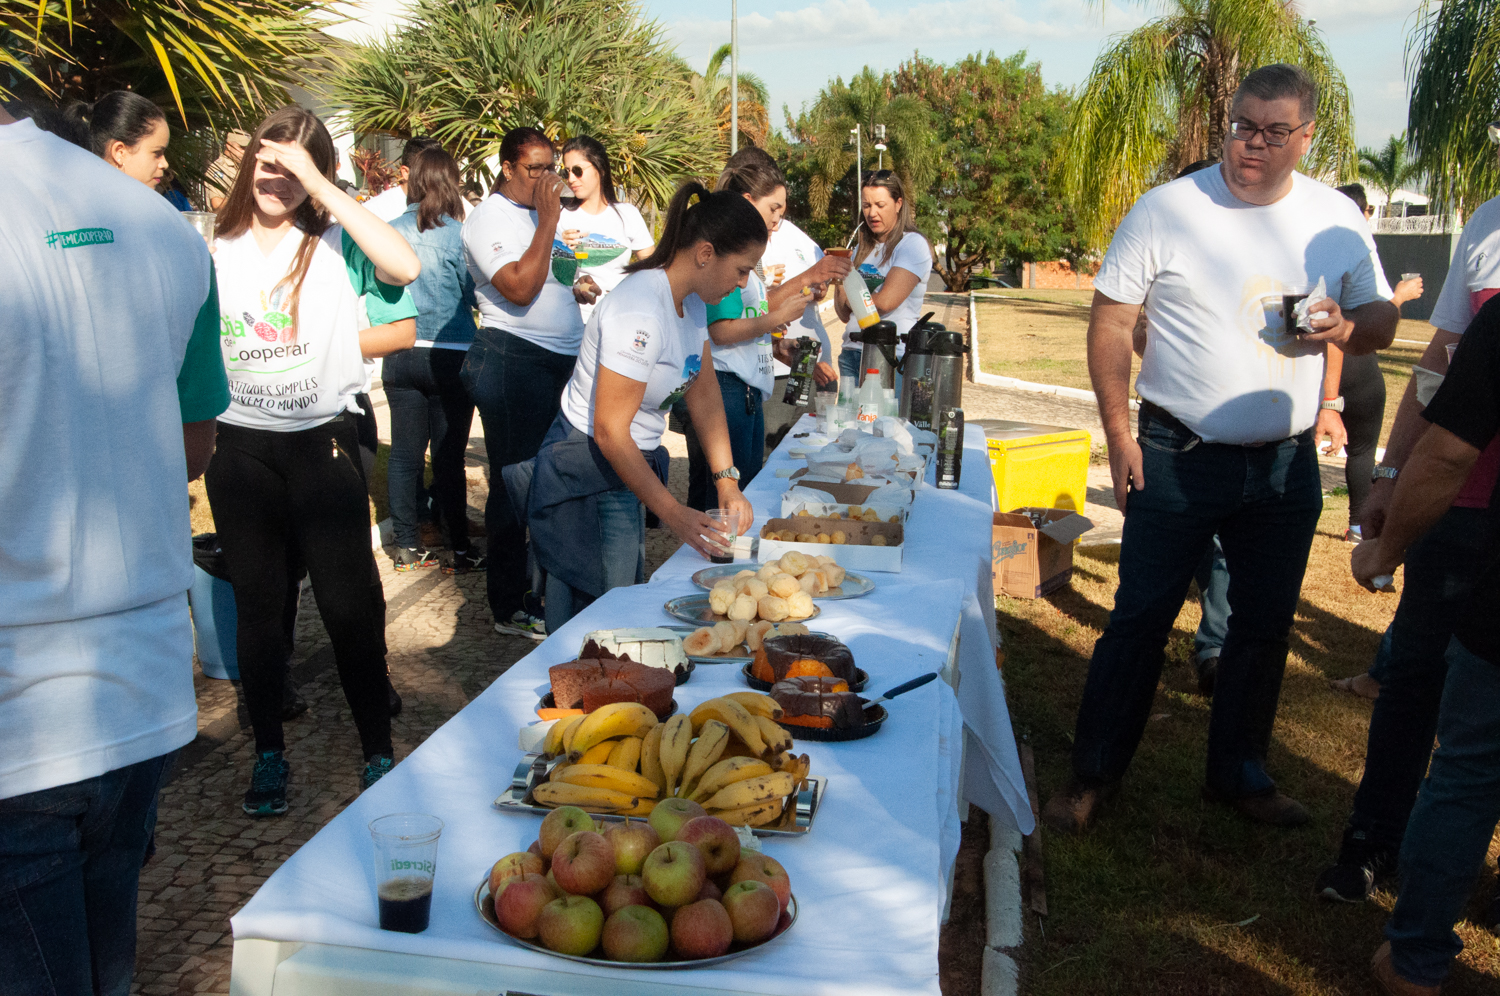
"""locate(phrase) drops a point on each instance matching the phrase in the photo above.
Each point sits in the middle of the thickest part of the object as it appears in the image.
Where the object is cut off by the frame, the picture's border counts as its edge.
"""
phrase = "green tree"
(996, 130)
(712, 90)
(1388, 169)
(1158, 99)
(1453, 58)
(466, 72)
(215, 61)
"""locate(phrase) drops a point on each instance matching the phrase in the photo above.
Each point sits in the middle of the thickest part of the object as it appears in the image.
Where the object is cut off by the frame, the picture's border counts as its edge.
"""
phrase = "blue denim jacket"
(444, 293)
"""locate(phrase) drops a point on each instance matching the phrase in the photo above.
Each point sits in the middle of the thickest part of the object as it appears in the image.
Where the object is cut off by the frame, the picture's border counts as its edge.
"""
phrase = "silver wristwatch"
(730, 472)
(1333, 404)
(1386, 472)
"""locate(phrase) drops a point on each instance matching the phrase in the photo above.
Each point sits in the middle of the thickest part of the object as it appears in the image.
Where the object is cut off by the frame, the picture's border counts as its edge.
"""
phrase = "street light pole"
(859, 172)
(734, 76)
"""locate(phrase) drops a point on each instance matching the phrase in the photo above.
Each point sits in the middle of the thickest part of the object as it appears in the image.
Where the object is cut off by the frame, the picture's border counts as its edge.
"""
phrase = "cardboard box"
(855, 555)
(1030, 560)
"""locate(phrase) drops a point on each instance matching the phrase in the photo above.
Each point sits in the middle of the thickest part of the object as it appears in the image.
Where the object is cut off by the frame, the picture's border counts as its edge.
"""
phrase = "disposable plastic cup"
(405, 861)
(1450, 348)
(203, 222)
(839, 416)
(1410, 276)
(729, 521)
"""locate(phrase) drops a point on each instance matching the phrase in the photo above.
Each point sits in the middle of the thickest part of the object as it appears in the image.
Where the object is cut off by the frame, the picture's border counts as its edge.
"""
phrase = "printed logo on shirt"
(80, 237)
(565, 262)
(690, 369)
(641, 338)
(596, 250)
(873, 277)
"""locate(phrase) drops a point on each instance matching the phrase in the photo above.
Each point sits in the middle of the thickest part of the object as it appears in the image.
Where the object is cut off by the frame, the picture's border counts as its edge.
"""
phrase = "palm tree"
(1453, 61)
(215, 61)
(1158, 99)
(1389, 169)
(712, 90)
(467, 71)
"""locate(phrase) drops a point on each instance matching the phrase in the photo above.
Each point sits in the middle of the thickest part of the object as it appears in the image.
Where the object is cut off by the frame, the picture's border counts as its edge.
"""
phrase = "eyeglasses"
(577, 171)
(1276, 135)
(535, 170)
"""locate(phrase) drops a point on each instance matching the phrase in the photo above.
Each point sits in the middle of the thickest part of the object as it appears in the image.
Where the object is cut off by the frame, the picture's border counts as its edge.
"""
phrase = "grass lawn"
(1169, 895)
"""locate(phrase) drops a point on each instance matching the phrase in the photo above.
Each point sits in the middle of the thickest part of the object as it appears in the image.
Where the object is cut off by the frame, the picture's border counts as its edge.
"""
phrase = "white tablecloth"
(870, 878)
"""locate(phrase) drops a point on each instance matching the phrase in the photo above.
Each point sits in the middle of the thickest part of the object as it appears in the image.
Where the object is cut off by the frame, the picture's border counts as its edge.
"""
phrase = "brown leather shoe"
(1390, 982)
(1272, 808)
(1073, 807)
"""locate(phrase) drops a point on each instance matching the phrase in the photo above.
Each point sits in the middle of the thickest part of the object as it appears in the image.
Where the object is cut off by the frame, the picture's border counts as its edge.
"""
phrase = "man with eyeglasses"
(1230, 391)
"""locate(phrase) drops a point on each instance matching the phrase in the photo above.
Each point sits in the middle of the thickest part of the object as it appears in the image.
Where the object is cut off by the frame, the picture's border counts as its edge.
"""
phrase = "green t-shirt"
(383, 303)
(202, 386)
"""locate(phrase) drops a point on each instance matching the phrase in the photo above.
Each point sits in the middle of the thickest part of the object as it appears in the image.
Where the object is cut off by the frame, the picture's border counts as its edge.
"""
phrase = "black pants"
(1363, 388)
(284, 498)
(517, 387)
(429, 404)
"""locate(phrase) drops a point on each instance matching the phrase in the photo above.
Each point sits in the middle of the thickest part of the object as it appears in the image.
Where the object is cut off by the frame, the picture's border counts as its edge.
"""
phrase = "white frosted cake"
(653, 646)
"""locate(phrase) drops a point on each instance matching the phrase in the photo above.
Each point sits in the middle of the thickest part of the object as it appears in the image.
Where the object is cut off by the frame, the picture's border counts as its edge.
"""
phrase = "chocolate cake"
(813, 701)
(778, 654)
(598, 678)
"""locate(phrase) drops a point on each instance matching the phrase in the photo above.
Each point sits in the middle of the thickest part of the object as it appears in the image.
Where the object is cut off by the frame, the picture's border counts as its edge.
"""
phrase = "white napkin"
(1319, 292)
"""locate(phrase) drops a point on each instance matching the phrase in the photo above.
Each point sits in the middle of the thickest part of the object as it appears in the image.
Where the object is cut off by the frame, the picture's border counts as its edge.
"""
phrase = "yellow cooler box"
(1040, 466)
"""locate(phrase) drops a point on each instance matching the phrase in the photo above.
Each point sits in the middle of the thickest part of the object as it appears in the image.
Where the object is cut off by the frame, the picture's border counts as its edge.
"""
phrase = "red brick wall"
(1055, 276)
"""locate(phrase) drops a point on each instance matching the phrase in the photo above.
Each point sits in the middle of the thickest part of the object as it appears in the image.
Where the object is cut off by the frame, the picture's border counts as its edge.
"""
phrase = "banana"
(557, 769)
(651, 758)
(783, 762)
(675, 740)
(804, 766)
(554, 743)
(777, 739)
(618, 719)
(757, 704)
(626, 754)
(597, 754)
(608, 777)
(587, 797)
(705, 751)
(762, 788)
(727, 772)
(757, 815)
(642, 808)
(572, 732)
(733, 715)
(737, 748)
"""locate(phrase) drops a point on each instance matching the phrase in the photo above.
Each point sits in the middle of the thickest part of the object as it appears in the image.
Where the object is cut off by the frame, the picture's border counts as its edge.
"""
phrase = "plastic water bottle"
(870, 397)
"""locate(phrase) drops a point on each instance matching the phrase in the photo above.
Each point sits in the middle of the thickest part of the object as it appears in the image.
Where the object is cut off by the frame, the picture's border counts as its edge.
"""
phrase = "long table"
(870, 878)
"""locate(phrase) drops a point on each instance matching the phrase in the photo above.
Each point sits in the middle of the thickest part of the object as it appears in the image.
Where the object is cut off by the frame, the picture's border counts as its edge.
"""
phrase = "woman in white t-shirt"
(602, 231)
(895, 260)
(643, 350)
(296, 257)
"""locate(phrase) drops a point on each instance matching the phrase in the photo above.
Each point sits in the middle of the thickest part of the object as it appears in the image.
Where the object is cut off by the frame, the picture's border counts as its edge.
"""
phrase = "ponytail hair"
(752, 172)
(725, 220)
(432, 183)
(118, 116)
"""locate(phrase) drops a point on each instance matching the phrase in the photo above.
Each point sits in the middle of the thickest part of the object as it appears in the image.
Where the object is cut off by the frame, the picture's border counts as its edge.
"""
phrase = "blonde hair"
(888, 181)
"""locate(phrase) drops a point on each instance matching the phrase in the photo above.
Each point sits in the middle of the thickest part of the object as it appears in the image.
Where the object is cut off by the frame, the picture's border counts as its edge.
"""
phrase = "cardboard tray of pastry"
(855, 546)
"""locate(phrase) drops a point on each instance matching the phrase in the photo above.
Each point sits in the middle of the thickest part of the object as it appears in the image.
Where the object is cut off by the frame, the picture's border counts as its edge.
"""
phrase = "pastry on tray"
(598, 678)
(793, 656)
(824, 703)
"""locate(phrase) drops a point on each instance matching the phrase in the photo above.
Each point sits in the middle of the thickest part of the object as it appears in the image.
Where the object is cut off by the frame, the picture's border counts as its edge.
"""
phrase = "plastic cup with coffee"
(405, 861)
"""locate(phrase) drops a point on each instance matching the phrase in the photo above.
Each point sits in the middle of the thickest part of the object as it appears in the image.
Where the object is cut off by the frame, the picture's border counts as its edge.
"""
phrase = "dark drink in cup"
(844, 253)
(405, 904)
(1288, 303)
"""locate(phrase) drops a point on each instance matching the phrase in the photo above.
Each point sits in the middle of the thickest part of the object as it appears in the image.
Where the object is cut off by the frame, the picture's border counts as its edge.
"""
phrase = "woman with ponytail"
(296, 257)
(127, 131)
(643, 350)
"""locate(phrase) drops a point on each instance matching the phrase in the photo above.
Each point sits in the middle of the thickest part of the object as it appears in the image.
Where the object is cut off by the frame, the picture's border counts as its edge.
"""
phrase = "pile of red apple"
(634, 891)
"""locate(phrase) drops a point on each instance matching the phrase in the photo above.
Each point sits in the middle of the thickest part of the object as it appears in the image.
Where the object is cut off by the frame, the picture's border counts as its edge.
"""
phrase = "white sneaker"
(524, 624)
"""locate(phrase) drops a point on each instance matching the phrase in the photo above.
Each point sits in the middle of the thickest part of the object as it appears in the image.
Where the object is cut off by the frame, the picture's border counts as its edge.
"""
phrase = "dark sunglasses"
(577, 171)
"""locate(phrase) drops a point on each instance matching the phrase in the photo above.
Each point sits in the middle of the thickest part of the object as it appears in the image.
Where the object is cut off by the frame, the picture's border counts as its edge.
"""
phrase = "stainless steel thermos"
(932, 372)
(879, 353)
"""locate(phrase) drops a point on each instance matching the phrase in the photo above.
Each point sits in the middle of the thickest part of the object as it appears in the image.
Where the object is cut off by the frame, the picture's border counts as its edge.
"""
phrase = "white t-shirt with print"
(637, 333)
(1474, 272)
(1210, 269)
(750, 360)
(101, 281)
(499, 231)
(608, 240)
(792, 249)
(911, 254)
(287, 376)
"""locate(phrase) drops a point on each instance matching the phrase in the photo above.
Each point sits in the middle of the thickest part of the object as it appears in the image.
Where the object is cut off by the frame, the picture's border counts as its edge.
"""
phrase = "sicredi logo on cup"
(419, 866)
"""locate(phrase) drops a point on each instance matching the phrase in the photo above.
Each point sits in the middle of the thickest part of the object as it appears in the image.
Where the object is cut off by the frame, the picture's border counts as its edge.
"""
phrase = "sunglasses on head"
(577, 171)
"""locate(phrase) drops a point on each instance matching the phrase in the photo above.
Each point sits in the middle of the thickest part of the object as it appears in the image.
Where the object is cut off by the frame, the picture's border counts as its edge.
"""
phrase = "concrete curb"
(997, 380)
(1000, 975)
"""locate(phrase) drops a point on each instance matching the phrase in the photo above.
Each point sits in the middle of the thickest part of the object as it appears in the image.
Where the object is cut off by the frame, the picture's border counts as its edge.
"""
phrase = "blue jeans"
(70, 860)
(747, 441)
(1213, 596)
(1442, 569)
(1452, 823)
(429, 405)
(1263, 502)
(622, 532)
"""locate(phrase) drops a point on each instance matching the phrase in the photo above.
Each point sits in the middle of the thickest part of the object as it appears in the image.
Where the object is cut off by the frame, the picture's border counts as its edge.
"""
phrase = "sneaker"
(523, 623)
(267, 795)
(1073, 807)
(377, 766)
(1361, 866)
(412, 558)
(465, 561)
(1273, 808)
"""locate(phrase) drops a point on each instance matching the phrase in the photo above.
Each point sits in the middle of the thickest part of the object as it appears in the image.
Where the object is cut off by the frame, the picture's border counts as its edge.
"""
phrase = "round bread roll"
(894, 518)
(871, 515)
(756, 634)
(773, 608)
(756, 589)
(824, 538)
(742, 575)
(855, 511)
(728, 635)
(799, 606)
(784, 585)
(791, 629)
(700, 643)
(824, 560)
(878, 539)
(839, 538)
(769, 571)
(741, 630)
(835, 574)
(820, 579)
(794, 563)
(742, 609)
(807, 537)
(788, 536)
(809, 582)
(720, 598)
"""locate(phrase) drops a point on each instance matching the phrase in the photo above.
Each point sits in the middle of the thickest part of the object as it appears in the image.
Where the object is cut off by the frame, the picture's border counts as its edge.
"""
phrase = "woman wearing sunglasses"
(602, 231)
(524, 352)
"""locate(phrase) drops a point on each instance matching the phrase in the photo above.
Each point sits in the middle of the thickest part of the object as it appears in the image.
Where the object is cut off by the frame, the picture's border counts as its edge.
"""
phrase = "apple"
(635, 933)
(519, 905)
(710, 890)
(514, 866)
(702, 930)
(632, 841)
(584, 863)
(560, 824)
(754, 909)
(716, 839)
(625, 890)
(668, 816)
(764, 869)
(571, 925)
(536, 848)
(784, 922)
(674, 873)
